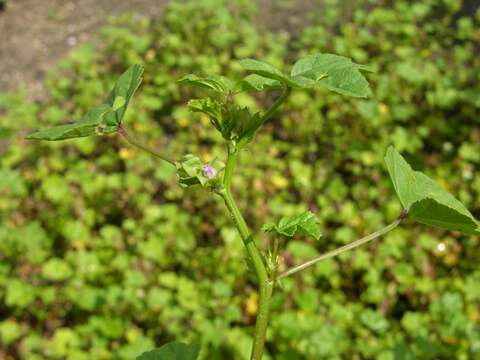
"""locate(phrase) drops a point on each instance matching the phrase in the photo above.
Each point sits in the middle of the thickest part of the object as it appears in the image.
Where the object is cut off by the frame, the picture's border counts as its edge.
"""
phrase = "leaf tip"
(390, 151)
(37, 135)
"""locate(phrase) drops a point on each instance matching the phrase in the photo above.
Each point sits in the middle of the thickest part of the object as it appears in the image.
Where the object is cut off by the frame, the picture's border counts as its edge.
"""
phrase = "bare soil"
(36, 34)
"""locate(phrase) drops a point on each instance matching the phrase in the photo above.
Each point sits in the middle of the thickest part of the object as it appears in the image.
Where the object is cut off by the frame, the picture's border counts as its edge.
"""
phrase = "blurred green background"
(103, 256)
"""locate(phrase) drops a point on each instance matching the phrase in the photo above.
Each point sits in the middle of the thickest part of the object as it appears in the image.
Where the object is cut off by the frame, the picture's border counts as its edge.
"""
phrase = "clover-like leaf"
(172, 351)
(306, 223)
(103, 119)
(425, 200)
(219, 84)
(336, 73)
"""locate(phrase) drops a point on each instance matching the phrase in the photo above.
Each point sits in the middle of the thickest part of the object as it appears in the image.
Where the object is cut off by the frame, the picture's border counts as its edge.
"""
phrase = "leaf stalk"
(268, 114)
(122, 131)
(345, 248)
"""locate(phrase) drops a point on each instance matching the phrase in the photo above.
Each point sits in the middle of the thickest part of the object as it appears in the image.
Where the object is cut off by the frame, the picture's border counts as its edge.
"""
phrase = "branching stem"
(345, 248)
(264, 283)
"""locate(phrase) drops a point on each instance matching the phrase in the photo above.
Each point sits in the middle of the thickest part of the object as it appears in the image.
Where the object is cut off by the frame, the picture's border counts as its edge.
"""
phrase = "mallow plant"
(422, 199)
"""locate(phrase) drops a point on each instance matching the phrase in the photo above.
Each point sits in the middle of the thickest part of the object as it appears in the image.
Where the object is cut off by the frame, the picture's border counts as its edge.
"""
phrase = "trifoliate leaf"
(337, 73)
(425, 201)
(216, 83)
(103, 119)
(172, 351)
(306, 223)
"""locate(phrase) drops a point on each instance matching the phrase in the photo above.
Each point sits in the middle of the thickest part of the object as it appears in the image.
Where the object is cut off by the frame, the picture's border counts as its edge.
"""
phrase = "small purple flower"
(209, 171)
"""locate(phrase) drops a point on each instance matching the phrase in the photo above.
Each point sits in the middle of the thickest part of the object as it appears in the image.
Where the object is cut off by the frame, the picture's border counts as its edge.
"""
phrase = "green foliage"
(236, 123)
(232, 121)
(93, 123)
(306, 223)
(103, 119)
(161, 265)
(266, 70)
(336, 73)
(56, 270)
(192, 171)
(425, 200)
(256, 82)
(217, 83)
(173, 351)
(224, 86)
(123, 92)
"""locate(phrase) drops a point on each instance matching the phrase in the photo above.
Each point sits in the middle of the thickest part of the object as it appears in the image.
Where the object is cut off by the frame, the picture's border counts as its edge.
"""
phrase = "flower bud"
(209, 171)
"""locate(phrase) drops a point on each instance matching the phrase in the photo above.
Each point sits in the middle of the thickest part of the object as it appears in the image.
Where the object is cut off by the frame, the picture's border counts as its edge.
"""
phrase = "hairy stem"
(345, 248)
(264, 283)
(122, 131)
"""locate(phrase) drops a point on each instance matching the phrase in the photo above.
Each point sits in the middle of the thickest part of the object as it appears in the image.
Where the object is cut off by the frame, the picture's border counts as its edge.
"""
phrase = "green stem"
(345, 248)
(286, 92)
(265, 285)
(122, 131)
(232, 157)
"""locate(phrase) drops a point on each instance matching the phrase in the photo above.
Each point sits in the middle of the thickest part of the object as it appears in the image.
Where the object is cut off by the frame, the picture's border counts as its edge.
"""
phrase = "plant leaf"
(254, 82)
(103, 119)
(123, 91)
(93, 123)
(266, 70)
(303, 224)
(233, 121)
(337, 73)
(210, 107)
(425, 201)
(216, 83)
(172, 351)
(249, 128)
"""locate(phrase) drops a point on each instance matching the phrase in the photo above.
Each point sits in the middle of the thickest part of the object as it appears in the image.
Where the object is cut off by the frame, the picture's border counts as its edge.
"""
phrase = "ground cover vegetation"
(102, 253)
